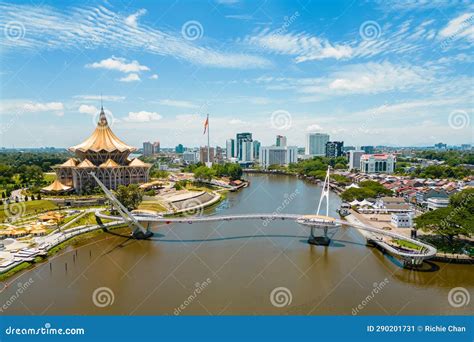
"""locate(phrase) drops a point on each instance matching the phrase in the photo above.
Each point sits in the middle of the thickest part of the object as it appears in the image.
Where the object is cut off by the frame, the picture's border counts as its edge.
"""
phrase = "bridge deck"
(427, 251)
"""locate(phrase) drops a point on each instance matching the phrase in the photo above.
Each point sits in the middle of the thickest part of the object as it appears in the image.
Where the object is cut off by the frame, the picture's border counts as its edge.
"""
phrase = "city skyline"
(365, 73)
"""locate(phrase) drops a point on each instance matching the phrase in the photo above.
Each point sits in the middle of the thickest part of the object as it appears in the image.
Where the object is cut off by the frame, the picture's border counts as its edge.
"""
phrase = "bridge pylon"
(322, 240)
(138, 231)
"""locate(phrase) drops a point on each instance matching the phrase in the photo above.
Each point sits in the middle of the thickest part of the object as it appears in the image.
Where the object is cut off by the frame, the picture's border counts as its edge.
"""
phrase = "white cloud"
(304, 47)
(460, 27)
(143, 116)
(177, 103)
(92, 110)
(365, 78)
(88, 109)
(94, 27)
(119, 64)
(154, 77)
(108, 98)
(131, 20)
(237, 122)
(130, 78)
(19, 106)
(314, 128)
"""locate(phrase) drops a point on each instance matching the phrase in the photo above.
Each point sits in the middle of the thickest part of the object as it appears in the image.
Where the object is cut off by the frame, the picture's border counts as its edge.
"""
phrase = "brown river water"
(237, 268)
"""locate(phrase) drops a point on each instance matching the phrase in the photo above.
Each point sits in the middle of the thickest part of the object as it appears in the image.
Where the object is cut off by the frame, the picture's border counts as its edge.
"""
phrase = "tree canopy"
(454, 220)
(130, 196)
(368, 189)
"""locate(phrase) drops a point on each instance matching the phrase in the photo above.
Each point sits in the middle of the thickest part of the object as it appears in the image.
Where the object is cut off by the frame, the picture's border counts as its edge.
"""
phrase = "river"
(236, 268)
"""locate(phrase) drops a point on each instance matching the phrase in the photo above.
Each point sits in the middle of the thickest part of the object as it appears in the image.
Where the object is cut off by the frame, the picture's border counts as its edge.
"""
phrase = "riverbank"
(50, 245)
(356, 217)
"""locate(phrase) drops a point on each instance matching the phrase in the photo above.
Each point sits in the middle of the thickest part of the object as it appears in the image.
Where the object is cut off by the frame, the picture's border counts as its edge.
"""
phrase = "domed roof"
(102, 139)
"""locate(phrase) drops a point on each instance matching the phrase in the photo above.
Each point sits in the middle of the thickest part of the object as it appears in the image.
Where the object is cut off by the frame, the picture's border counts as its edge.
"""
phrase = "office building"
(230, 148)
(377, 163)
(244, 145)
(334, 149)
(203, 154)
(219, 156)
(316, 144)
(256, 149)
(277, 155)
(190, 157)
(354, 159)
(179, 148)
(281, 140)
(150, 149)
(147, 149)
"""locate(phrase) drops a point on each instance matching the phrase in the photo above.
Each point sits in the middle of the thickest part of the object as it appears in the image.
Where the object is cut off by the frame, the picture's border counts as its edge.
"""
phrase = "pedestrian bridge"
(409, 257)
(425, 251)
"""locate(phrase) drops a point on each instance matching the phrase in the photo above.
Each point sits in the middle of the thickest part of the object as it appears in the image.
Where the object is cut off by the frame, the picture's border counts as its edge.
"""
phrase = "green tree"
(452, 221)
(130, 196)
(204, 173)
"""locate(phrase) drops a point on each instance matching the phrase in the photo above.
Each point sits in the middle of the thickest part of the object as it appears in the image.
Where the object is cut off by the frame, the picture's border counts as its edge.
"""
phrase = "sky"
(366, 72)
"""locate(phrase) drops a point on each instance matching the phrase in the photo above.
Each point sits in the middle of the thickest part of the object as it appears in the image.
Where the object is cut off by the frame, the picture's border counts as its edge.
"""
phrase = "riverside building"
(104, 154)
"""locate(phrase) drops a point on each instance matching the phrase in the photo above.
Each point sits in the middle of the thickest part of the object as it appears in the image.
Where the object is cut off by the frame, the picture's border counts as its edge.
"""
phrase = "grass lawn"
(407, 244)
(152, 205)
(87, 219)
(26, 208)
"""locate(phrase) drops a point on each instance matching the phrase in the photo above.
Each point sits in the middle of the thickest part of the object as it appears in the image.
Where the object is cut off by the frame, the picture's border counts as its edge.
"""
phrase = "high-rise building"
(440, 146)
(256, 149)
(147, 148)
(244, 144)
(203, 154)
(219, 156)
(190, 157)
(367, 149)
(278, 155)
(334, 149)
(156, 147)
(179, 148)
(466, 147)
(230, 148)
(377, 163)
(348, 148)
(280, 140)
(150, 149)
(354, 159)
(316, 144)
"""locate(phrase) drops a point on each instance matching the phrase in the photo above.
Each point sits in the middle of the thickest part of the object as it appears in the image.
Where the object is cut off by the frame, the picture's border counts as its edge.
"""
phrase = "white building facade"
(316, 144)
(377, 163)
(278, 155)
(354, 159)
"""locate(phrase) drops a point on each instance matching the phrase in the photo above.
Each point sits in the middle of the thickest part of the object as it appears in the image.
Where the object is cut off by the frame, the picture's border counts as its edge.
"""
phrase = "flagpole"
(208, 147)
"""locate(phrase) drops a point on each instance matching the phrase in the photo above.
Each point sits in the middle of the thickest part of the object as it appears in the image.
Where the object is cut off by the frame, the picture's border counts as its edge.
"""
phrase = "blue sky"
(368, 73)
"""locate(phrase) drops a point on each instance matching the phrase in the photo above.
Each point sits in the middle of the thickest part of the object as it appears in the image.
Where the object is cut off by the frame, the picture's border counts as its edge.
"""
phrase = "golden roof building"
(104, 154)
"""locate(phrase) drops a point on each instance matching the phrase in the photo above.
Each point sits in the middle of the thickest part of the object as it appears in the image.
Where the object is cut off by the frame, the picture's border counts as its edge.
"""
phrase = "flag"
(206, 124)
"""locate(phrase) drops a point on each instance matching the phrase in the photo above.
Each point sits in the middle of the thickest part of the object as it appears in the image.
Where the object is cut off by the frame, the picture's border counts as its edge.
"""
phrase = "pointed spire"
(102, 117)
